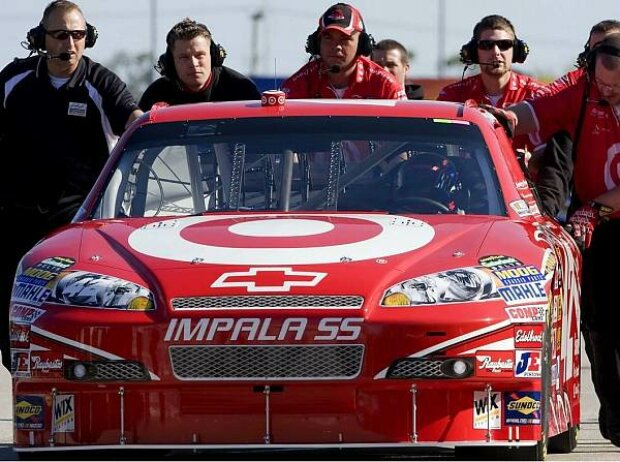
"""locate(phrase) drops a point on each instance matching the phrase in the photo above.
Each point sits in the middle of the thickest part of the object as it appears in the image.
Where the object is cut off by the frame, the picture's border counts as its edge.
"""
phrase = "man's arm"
(133, 116)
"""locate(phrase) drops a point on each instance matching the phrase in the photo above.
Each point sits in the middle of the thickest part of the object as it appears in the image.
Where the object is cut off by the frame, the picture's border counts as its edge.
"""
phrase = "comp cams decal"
(279, 240)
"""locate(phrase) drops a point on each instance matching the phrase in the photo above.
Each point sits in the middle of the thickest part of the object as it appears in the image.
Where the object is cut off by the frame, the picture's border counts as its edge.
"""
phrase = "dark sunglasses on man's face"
(62, 34)
(503, 45)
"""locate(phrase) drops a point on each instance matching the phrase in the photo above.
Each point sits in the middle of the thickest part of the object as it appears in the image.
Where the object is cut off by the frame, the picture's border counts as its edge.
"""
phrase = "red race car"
(303, 274)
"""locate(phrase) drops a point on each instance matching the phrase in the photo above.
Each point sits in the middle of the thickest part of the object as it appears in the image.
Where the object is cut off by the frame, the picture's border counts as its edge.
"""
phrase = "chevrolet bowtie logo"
(269, 279)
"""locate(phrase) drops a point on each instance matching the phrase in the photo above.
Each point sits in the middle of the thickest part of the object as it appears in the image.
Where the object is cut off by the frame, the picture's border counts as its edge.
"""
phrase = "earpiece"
(36, 37)
(165, 63)
(364, 46)
(469, 51)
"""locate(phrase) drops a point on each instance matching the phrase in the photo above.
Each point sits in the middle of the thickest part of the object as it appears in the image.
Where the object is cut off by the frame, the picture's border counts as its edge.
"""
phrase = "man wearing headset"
(60, 115)
(589, 111)
(339, 66)
(494, 47)
(192, 70)
(552, 161)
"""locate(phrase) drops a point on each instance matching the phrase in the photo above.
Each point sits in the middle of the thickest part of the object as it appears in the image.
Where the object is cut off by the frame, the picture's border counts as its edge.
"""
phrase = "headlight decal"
(515, 285)
(82, 288)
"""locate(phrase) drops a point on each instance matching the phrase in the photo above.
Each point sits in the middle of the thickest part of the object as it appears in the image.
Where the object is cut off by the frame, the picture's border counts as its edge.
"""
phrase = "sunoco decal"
(29, 412)
(522, 408)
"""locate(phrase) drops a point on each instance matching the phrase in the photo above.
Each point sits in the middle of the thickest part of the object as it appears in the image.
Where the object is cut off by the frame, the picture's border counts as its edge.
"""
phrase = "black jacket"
(54, 142)
(226, 85)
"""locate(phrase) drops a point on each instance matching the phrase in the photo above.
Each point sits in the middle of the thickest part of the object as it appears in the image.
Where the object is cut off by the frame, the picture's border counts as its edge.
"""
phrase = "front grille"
(413, 368)
(410, 368)
(257, 362)
(268, 301)
(102, 371)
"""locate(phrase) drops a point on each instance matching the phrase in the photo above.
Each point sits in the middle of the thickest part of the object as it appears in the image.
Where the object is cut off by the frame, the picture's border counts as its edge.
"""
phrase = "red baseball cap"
(342, 17)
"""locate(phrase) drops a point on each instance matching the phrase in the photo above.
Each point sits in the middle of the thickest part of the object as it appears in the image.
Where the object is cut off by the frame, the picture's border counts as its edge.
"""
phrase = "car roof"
(317, 107)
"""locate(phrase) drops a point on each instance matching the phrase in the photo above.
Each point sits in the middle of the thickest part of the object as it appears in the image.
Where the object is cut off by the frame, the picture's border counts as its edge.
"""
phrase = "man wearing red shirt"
(555, 164)
(589, 111)
(494, 47)
(339, 67)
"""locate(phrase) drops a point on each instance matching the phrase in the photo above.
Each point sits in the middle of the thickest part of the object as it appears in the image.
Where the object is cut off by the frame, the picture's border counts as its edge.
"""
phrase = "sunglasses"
(503, 45)
(64, 34)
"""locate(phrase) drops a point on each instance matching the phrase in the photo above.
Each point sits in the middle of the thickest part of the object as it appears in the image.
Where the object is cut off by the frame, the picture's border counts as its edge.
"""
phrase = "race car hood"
(300, 253)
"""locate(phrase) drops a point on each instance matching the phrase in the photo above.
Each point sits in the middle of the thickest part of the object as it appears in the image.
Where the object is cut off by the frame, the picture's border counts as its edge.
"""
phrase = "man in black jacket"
(192, 71)
(60, 116)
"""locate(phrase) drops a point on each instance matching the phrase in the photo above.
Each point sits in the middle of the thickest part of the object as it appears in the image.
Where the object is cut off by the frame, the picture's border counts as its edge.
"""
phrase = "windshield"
(395, 165)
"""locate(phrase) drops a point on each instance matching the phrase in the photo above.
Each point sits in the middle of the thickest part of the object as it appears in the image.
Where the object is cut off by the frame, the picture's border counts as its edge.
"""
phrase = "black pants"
(28, 225)
(555, 172)
(601, 316)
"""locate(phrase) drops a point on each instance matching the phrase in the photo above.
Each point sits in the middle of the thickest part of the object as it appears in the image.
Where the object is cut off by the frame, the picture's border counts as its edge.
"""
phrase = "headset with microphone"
(469, 52)
(165, 63)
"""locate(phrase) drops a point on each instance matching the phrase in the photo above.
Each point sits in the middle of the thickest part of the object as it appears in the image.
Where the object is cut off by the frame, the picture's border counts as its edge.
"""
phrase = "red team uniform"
(519, 88)
(369, 81)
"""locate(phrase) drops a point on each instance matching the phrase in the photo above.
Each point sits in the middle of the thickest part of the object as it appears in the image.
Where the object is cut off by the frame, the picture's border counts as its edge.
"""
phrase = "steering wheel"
(408, 204)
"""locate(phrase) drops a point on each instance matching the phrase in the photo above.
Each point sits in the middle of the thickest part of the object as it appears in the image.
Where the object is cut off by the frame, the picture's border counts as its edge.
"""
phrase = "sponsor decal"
(528, 363)
(499, 261)
(269, 279)
(522, 408)
(520, 293)
(29, 412)
(29, 293)
(494, 363)
(63, 417)
(530, 313)
(282, 240)
(520, 207)
(519, 275)
(529, 336)
(20, 363)
(77, 109)
(261, 329)
(46, 364)
(45, 271)
(487, 414)
(25, 314)
(19, 334)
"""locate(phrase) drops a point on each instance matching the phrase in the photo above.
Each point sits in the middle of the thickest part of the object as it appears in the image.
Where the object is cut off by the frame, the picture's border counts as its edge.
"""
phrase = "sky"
(555, 31)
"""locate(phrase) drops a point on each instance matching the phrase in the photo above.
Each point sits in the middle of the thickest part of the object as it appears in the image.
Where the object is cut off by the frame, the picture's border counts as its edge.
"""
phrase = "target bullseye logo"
(281, 239)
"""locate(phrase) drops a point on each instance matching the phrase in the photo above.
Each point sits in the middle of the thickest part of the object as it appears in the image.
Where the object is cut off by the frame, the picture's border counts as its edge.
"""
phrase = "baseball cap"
(342, 17)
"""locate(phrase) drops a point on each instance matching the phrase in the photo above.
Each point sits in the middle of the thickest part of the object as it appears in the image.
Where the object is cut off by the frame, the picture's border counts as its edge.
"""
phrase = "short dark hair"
(608, 50)
(605, 26)
(187, 29)
(62, 5)
(389, 44)
(493, 21)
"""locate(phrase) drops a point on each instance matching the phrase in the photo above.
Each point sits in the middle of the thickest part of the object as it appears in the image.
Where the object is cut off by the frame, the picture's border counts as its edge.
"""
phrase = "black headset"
(364, 46)
(600, 47)
(165, 63)
(36, 37)
(469, 51)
